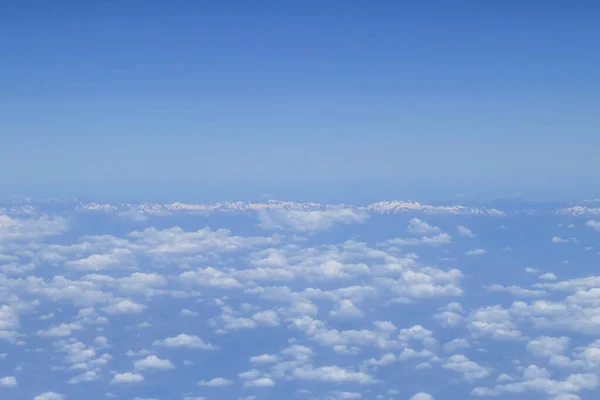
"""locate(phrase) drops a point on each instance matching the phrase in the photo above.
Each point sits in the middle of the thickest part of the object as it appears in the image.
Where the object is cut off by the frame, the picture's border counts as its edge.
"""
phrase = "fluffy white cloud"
(98, 262)
(549, 276)
(494, 321)
(153, 362)
(88, 376)
(475, 252)
(346, 309)
(30, 229)
(127, 377)
(264, 358)
(593, 224)
(463, 231)
(332, 374)
(310, 221)
(61, 330)
(210, 277)
(516, 291)
(187, 341)
(422, 396)
(8, 382)
(559, 240)
(260, 382)
(311, 290)
(437, 240)
(537, 379)
(50, 396)
(470, 370)
(216, 382)
(177, 241)
(449, 316)
(546, 346)
(456, 344)
(418, 227)
(124, 306)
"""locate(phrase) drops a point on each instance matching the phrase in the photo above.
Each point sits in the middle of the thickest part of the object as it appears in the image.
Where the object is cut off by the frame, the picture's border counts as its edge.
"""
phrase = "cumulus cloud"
(124, 306)
(31, 229)
(264, 358)
(153, 362)
(310, 221)
(422, 396)
(8, 382)
(260, 382)
(332, 374)
(437, 240)
(475, 252)
(464, 231)
(61, 298)
(559, 240)
(88, 376)
(185, 341)
(493, 321)
(593, 224)
(127, 377)
(418, 227)
(50, 396)
(470, 370)
(216, 382)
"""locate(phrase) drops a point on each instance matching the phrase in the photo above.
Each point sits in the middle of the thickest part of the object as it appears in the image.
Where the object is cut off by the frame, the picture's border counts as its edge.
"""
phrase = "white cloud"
(463, 231)
(332, 374)
(88, 376)
(456, 344)
(346, 309)
(203, 241)
(260, 382)
(475, 252)
(8, 382)
(422, 396)
(348, 395)
(216, 382)
(494, 322)
(549, 276)
(124, 306)
(310, 221)
(469, 369)
(437, 240)
(31, 229)
(546, 346)
(268, 318)
(448, 318)
(516, 291)
(127, 377)
(50, 396)
(210, 277)
(153, 362)
(418, 227)
(593, 224)
(61, 330)
(98, 262)
(264, 359)
(386, 359)
(537, 379)
(188, 313)
(187, 341)
(557, 239)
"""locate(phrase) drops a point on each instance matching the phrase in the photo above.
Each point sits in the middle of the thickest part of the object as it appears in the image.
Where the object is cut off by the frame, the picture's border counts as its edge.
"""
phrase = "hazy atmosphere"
(315, 200)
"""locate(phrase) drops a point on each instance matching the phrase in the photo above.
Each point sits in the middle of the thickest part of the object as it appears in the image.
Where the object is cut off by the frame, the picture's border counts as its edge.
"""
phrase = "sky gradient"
(312, 100)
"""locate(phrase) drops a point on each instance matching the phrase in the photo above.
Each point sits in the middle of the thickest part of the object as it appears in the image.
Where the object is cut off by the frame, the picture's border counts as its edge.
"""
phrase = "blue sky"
(311, 100)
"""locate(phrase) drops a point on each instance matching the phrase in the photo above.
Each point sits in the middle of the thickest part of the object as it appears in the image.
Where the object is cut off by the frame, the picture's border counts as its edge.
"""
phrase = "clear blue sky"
(300, 99)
